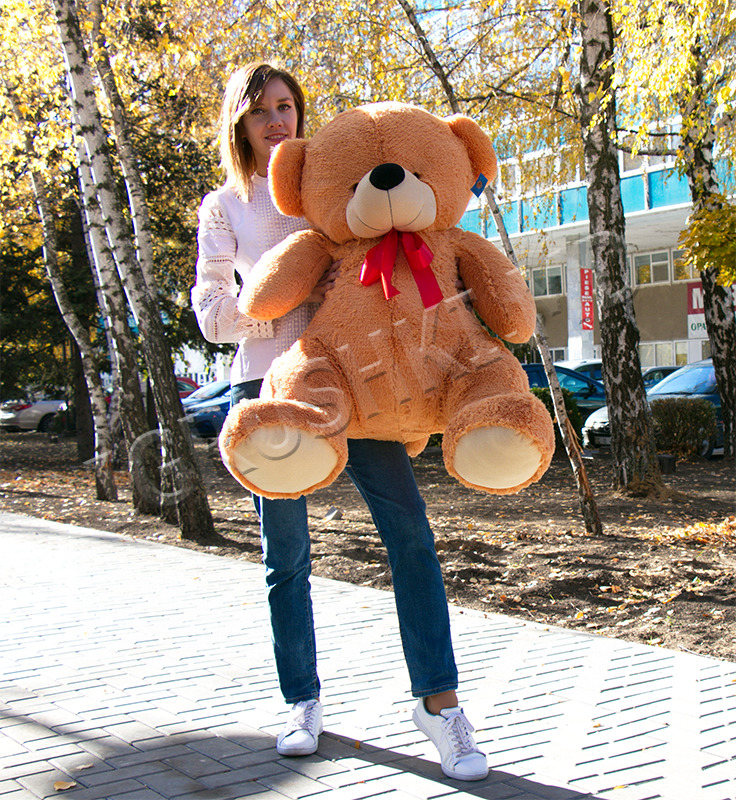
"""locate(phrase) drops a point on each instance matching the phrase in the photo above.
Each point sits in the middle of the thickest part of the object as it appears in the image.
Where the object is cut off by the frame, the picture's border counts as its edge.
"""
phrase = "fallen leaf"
(62, 786)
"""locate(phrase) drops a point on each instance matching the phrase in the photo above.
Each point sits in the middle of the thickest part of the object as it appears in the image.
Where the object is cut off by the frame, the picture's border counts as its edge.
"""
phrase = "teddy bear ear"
(479, 147)
(285, 176)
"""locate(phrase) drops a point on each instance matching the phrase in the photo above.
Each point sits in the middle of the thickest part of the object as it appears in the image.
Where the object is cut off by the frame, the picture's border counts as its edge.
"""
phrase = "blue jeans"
(382, 473)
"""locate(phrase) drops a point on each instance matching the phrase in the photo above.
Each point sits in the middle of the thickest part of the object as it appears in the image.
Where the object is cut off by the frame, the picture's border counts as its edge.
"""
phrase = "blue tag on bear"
(479, 185)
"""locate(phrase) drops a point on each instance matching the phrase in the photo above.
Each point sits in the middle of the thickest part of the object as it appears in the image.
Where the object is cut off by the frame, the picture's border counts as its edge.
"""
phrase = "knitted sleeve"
(215, 292)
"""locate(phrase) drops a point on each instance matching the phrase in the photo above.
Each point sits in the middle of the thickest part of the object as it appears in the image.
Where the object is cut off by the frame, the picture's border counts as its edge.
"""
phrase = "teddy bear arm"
(498, 291)
(285, 276)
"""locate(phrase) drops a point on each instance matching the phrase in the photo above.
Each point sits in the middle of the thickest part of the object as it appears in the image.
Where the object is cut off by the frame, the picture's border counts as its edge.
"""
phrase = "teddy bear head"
(381, 166)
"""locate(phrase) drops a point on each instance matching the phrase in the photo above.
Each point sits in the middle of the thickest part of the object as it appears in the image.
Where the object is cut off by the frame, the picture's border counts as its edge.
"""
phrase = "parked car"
(207, 416)
(592, 367)
(653, 375)
(209, 391)
(588, 393)
(186, 386)
(697, 380)
(29, 415)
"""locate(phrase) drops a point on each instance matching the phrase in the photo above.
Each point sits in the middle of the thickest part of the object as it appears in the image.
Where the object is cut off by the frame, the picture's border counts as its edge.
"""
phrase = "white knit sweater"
(232, 236)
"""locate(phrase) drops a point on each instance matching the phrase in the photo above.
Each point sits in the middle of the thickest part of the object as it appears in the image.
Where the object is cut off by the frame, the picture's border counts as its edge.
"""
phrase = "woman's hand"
(460, 286)
(326, 282)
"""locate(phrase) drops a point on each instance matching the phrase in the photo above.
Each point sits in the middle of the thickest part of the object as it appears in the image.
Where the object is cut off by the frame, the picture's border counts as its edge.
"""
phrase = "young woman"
(263, 106)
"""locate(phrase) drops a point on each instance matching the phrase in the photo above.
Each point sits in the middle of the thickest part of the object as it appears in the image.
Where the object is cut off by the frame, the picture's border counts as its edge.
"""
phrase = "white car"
(29, 415)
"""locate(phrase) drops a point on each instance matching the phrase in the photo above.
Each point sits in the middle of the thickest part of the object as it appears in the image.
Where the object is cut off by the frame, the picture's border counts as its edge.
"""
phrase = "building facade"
(551, 238)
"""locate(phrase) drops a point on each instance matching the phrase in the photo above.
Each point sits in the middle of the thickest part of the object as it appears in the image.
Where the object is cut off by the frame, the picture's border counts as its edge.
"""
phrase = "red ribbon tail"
(420, 258)
(379, 263)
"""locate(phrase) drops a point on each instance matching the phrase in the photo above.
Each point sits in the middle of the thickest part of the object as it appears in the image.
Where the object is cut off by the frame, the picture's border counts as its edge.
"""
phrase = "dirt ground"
(662, 572)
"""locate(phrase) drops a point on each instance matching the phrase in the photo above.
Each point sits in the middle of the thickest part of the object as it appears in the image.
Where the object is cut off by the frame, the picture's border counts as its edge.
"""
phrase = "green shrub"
(684, 426)
(571, 406)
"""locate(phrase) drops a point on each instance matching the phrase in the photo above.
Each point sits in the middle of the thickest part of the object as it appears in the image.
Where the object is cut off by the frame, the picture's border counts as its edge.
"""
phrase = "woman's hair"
(243, 91)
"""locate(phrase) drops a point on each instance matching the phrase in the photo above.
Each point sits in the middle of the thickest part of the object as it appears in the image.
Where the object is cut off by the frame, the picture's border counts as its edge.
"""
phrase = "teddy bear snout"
(387, 176)
(388, 196)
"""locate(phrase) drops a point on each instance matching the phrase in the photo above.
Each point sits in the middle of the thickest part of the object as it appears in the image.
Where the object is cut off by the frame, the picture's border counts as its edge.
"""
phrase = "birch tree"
(179, 462)
(680, 62)
(588, 505)
(104, 476)
(142, 457)
(636, 465)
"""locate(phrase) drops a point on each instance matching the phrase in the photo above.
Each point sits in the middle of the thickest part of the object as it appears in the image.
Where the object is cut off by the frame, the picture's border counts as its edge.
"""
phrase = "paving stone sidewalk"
(136, 671)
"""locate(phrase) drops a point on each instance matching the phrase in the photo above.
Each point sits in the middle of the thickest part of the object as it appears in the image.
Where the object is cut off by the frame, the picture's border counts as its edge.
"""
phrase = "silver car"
(29, 415)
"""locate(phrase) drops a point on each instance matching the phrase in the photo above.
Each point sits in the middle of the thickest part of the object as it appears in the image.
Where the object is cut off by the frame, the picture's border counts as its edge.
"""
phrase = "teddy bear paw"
(496, 458)
(279, 460)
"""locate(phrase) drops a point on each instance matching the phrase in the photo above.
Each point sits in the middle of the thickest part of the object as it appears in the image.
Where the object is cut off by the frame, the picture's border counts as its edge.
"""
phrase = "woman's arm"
(215, 293)
(287, 275)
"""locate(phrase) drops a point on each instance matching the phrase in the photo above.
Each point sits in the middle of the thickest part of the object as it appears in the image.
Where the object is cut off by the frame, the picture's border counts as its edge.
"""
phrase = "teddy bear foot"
(499, 444)
(496, 459)
(279, 461)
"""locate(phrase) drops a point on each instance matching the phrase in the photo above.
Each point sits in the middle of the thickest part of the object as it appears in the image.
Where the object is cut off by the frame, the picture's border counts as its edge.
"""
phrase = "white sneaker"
(452, 735)
(300, 735)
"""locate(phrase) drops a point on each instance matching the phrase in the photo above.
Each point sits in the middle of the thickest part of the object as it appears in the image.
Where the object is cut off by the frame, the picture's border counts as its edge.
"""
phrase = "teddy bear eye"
(354, 187)
(417, 176)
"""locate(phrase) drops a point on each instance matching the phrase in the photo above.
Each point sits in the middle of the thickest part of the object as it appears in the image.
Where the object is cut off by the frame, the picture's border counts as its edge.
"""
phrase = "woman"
(263, 106)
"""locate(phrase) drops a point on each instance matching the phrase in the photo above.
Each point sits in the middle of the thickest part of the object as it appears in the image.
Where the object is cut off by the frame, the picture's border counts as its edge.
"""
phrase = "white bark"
(128, 400)
(178, 460)
(636, 466)
(139, 214)
(105, 479)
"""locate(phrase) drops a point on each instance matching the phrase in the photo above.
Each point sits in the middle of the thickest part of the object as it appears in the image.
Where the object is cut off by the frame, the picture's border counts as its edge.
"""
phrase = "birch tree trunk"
(588, 505)
(104, 475)
(635, 462)
(178, 458)
(698, 140)
(127, 158)
(143, 457)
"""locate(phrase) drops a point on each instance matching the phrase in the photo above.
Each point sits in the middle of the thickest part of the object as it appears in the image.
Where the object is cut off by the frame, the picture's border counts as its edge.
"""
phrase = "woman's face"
(269, 121)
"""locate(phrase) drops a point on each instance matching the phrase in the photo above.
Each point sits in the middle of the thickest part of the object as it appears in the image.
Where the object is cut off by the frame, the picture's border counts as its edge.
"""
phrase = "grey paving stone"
(103, 792)
(261, 771)
(107, 747)
(19, 794)
(196, 765)
(175, 661)
(41, 782)
(294, 785)
(171, 783)
(226, 793)
(251, 759)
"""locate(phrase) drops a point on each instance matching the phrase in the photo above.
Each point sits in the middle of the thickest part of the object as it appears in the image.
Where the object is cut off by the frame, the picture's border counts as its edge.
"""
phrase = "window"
(681, 270)
(509, 180)
(658, 354)
(631, 163)
(546, 281)
(651, 268)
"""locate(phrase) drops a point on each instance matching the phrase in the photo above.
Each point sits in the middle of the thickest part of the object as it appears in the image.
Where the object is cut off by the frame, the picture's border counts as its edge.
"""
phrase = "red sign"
(586, 298)
(695, 303)
(587, 304)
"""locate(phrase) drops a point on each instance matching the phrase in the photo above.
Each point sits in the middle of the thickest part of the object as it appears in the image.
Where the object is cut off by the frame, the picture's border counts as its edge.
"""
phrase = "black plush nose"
(387, 176)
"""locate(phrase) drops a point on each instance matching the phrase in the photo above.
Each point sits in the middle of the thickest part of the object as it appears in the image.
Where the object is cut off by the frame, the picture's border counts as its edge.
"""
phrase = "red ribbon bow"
(379, 263)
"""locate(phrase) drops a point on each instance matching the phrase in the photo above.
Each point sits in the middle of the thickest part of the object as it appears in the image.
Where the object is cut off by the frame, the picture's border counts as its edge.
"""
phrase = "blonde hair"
(243, 91)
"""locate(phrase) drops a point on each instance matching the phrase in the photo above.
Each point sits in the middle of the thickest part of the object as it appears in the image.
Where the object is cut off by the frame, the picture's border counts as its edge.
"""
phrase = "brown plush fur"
(368, 367)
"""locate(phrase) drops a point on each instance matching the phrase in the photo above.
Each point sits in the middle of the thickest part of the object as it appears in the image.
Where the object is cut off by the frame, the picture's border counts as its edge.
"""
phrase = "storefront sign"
(586, 298)
(696, 328)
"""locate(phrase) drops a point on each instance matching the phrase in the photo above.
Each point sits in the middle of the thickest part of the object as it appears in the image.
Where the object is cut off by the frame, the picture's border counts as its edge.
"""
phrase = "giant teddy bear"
(393, 352)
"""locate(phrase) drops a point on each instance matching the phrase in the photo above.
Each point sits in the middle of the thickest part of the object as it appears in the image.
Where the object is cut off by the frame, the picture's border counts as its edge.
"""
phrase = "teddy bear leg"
(499, 444)
(281, 448)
